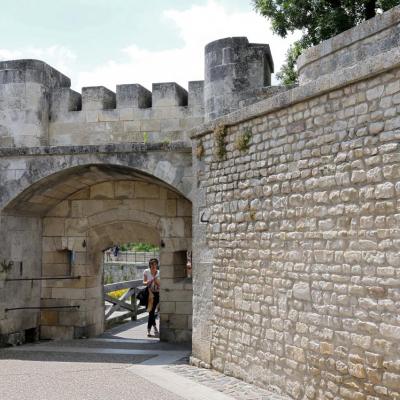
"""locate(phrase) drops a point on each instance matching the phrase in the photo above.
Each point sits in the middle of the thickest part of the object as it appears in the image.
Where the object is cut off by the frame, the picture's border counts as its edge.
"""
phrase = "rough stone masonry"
(288, 199)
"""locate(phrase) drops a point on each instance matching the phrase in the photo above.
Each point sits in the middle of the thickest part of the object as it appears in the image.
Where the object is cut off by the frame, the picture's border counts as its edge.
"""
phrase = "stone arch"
(70, 210)
(44, 171)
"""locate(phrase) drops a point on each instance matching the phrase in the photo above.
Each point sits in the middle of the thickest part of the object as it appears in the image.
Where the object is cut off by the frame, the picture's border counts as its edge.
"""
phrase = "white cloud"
(197, 26)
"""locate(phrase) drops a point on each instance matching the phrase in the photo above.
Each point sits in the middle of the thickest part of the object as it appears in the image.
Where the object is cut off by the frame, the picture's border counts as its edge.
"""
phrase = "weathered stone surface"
(301, 291)
(295, 256)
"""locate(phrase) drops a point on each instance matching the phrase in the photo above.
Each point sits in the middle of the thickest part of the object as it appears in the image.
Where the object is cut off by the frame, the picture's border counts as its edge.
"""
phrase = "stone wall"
(114, 272)
(132, 114)
(302, 228)
(20, 239)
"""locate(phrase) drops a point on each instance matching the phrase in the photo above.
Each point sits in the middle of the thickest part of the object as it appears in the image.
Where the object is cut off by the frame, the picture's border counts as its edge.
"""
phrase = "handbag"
(143, 296)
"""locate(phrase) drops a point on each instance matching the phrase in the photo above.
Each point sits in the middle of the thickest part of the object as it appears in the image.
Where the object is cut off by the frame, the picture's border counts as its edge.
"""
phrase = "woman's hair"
(153, 261)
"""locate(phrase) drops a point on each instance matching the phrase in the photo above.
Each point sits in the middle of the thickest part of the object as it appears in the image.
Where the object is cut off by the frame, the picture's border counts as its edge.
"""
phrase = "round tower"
(234, 69)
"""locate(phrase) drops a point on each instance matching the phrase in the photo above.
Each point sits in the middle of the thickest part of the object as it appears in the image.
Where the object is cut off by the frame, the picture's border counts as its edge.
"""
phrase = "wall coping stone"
(30, 70)
(351, 36)
(181, 147)
(370, 67)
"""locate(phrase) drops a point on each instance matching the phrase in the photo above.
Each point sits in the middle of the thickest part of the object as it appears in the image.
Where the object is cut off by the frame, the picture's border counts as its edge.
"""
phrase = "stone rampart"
(38, 107)
(296, 219)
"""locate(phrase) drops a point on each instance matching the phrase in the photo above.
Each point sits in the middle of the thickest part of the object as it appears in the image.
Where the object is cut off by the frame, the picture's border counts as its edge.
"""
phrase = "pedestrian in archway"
(151, 278)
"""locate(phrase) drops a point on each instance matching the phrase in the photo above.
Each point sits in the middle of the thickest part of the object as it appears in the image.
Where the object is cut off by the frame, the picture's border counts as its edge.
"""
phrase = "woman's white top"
(147, 276)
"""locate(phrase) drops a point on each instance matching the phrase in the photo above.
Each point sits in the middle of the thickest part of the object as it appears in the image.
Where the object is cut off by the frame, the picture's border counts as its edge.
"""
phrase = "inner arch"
(39, 198)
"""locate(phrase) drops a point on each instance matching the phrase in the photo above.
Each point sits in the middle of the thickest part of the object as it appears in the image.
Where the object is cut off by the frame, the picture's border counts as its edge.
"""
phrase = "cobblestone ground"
(225, 384)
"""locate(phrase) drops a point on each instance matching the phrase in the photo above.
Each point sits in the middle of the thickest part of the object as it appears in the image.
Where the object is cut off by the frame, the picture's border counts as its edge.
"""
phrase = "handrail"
(43, 278)
(111, 287)
(132, 308)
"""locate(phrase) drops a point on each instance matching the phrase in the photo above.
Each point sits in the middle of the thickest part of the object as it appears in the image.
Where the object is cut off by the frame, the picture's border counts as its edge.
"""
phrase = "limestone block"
(295, 353)
(155, 206)
(103, 116)
(82, 194)
(391, 380)
(183, 335)
(184, 307)
(172, 227)
(97, 98)
(390, 331)
(76, 226)
(166, 258)
(168, 94)
(68, 293)
(55, 269)
(301, 291)
(167, 307)
(196, 94)
(132, 127)
(177, 321)
(150, 125)
(171, 210)
(48, 317)
(146, 190)
(60, 210)
(184, 208)
(124, 189)
(62, 101)
(72, 318)
(56, 332)
(135, 96)
(53, 226)
(177, 295)
(170, 125)
(103, 190)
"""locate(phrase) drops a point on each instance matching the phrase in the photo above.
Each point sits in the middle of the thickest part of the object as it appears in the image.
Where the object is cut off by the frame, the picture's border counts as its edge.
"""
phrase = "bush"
(139, 247)
(117, 293)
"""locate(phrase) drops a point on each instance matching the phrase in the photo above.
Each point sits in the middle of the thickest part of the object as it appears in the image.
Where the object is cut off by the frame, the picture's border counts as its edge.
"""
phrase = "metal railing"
(130, 257)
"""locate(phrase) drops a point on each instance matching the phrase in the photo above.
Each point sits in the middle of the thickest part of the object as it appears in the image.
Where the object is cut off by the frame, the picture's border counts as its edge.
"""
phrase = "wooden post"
(134, 304)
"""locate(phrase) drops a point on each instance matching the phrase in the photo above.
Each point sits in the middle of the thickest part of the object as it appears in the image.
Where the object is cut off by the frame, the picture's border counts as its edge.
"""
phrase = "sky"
(110, 42)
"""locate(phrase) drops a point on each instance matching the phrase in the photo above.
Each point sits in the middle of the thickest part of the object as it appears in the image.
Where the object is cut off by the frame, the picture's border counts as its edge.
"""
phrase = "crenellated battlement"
(163, 94)
(38, 106)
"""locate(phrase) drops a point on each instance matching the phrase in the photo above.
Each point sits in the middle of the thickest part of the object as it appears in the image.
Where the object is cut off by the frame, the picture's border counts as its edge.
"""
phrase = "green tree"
(318, 20)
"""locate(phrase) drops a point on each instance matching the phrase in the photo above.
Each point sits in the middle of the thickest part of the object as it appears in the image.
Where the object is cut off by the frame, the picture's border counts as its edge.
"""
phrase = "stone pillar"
(203, 259)
(20, 238)
(234, 68)
(25, 92)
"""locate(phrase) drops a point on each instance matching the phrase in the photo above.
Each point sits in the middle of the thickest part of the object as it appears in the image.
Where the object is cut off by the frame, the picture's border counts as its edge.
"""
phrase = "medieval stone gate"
(288, 198)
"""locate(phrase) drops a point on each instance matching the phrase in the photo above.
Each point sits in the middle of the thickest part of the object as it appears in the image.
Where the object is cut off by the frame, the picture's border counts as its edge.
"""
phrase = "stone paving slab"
(39, 380)
(228, 385)
(58, 354)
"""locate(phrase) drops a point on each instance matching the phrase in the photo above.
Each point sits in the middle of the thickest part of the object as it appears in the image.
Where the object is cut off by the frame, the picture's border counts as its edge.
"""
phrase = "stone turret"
(234, 69)
(25, 91)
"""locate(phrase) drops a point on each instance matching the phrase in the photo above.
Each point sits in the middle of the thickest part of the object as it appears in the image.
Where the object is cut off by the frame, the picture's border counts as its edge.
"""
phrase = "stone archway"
(76, 224)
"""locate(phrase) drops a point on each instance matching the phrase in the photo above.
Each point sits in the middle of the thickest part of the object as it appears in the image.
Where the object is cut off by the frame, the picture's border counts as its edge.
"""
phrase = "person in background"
(151, 278)
(116, 251)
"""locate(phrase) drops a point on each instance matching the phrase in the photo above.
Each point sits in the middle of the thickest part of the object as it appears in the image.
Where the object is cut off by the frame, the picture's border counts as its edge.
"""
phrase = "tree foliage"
(318, 20)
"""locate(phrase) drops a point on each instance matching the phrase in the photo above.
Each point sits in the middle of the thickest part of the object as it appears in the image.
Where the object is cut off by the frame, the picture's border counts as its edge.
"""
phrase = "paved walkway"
(122, 363)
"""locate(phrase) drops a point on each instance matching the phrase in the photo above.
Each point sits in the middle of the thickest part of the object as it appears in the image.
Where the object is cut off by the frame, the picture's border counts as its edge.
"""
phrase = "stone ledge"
(29, 70)
(182, 147)
(327, 83)
(351, 36)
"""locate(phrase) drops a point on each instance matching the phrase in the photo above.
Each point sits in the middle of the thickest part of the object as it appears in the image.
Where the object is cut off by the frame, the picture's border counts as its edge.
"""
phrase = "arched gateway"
(56, 228)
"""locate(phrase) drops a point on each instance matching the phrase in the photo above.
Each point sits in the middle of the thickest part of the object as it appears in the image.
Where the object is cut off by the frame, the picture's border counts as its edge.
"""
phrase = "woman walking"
(151, 278)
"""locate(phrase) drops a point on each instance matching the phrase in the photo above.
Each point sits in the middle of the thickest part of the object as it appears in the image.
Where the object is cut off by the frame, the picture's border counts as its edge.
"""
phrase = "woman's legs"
(152, 314)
